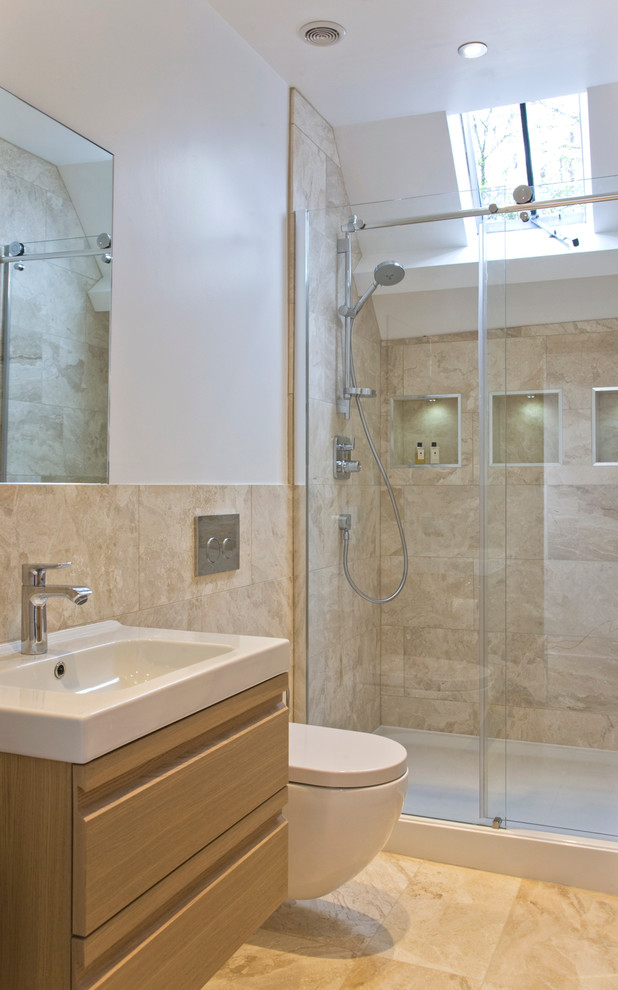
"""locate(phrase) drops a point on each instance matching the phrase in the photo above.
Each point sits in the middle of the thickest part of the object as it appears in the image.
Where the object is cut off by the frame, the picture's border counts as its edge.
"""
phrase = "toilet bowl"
(346, 792)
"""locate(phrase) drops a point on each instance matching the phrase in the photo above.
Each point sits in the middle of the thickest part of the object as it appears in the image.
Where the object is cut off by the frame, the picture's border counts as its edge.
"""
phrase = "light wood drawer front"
(186, 946)
(125, 845)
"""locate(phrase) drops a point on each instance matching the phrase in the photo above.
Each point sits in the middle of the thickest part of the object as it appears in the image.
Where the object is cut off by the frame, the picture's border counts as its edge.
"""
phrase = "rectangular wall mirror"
(434, 422)
(55, 269)
(526, 427)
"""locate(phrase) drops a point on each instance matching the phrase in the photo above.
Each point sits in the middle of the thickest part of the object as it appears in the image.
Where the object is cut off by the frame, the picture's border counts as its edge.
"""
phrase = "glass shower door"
(556, 430)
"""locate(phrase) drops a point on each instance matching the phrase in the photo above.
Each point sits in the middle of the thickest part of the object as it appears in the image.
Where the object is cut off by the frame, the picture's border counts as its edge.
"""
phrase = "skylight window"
(540, 144)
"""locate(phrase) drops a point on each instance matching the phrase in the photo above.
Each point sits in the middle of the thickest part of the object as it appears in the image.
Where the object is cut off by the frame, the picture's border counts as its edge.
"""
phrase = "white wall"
(198, 126)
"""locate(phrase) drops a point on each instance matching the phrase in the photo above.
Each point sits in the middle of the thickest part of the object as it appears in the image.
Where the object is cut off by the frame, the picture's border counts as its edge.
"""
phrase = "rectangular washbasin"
(110, 666)
(103, 685)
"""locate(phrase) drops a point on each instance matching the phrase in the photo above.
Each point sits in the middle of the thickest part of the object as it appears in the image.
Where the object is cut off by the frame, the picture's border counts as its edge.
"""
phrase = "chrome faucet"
(34, 595)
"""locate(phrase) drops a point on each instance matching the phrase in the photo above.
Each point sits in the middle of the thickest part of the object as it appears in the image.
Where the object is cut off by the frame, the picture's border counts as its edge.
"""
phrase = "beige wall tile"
(96, 527)
(582, 522)
(167, 546)
(262, 609)
(271, 532)
(308, 120)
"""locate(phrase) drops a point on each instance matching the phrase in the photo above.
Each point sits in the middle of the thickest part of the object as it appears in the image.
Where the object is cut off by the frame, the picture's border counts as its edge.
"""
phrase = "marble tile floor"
(530, 785)
(407, 924)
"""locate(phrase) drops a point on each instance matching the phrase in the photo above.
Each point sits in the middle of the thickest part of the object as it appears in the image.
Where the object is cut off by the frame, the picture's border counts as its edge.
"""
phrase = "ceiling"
(387, 89)
(399, 57)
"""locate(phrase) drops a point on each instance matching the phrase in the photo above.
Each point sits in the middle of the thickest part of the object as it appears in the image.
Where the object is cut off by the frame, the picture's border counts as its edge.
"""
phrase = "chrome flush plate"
(218, 543)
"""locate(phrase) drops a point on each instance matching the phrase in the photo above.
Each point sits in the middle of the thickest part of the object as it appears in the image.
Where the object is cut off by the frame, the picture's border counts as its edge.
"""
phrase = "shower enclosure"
(497, 663)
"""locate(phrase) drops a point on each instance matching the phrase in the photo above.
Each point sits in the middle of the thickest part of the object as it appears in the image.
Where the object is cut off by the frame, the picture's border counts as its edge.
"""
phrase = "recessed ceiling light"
(472, 49)
(322, 33)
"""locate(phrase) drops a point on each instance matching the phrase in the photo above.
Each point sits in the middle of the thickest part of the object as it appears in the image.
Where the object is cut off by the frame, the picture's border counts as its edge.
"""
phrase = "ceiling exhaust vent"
(322, 33)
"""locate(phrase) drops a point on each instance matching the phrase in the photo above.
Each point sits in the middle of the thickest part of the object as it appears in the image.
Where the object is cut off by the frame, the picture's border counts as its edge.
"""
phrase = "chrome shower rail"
(488, 211)
(49, 255)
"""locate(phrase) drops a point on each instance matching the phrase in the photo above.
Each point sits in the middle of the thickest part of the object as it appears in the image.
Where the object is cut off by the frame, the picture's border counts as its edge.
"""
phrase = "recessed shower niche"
(526, 427)
(605, 425)
(433, 421)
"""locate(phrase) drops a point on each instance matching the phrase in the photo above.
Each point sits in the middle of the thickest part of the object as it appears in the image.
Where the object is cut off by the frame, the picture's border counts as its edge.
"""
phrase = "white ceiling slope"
(387, 89)
(399, 57)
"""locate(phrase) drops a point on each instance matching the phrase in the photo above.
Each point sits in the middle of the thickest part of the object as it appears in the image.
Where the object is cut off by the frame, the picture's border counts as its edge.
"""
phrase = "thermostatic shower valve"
(343, 467)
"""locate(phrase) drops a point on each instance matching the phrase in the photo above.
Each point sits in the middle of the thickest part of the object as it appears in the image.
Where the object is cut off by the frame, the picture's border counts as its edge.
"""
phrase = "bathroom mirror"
(56, 226)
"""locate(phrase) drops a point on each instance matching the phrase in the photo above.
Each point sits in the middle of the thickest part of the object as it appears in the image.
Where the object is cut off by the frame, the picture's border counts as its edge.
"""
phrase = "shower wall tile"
(525, 521)
(553, 541)
(439, 592)
(442, 521)
(309, 190)
(525, 596)
(441, 679)
(582, 522)
(525, 363)
(577, 436)
(392, 659)
(580, 598)
(326, 503)
(341, 625)
(307, 119)
(430, 714)
(582, 359)
(344, 687)
(390, 542)
(560, 727)
(574, 327)
(582, 683)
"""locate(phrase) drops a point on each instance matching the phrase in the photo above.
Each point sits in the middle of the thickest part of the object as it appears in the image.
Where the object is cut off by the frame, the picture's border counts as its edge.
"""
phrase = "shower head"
(388, 273)
(385, 273)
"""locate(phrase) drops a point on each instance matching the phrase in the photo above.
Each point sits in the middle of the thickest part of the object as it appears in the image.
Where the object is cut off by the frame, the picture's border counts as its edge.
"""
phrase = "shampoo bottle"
(419, 453)
(434, 453)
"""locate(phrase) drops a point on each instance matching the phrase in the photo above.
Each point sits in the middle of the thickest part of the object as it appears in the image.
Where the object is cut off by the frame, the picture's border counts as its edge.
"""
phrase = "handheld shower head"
(385, 273)
(388, 273)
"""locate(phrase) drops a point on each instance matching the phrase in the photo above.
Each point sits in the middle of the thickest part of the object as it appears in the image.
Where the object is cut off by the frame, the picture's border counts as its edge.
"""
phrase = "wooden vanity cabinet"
(147, 867)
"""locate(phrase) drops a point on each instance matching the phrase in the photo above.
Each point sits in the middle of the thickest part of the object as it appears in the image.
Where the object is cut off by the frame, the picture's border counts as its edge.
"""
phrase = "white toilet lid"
(341, 758)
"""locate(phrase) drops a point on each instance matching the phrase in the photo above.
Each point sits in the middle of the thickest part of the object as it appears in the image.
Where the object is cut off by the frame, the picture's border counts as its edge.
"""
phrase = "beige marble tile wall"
(430, 632)
(343, 635)
(134, 546)
(59, 344)
(554, 571)
(562, 574)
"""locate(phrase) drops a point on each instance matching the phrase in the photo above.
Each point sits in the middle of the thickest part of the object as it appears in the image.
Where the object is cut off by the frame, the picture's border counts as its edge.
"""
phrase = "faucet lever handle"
(34, 574)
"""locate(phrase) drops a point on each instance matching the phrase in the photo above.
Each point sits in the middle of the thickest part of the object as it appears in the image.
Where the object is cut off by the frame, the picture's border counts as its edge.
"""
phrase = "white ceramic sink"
(103, 685)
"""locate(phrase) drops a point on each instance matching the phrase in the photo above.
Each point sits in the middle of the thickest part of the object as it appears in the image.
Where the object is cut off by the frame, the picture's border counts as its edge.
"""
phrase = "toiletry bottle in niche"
(434, 453)
(419, 453)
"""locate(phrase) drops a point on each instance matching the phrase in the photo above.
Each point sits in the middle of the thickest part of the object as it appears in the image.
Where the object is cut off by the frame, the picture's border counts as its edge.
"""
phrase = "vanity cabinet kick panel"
(179, 852)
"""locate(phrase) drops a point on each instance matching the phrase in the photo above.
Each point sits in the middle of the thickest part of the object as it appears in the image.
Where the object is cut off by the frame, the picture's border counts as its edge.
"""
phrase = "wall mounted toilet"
(346, 792)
